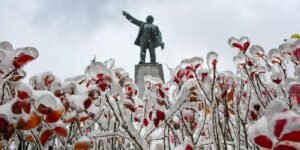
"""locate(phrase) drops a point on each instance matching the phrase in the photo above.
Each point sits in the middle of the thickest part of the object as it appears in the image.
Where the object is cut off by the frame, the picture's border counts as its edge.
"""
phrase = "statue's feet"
(141, 62)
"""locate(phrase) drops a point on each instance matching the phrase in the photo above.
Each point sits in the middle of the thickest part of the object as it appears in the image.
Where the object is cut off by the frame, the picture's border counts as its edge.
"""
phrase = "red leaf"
(45, 136)
(203, 75)
(214, 62)
(197, 66)
(161, 93)
(69, 120)
(48, 81)
(99, 76)
(61, 131)
(189, 68)
(176, 80)
(190, 76)
(54, 116)
(66, 105)
(145, 122)
(156, 122)
(277, 81)
(33, 122)
(3, 123)
(250, 63)
(82, 145)
(194, 125)
(150, 115)
(103, 86)
(296, 53)
(284, 147)
(44, 109)
(189, 147)
(136, 119)
(22, 95)
(87, 103)
(6, 129)
(291, 136)
(160, 102)
(84, 118)
(130, 107)
(279, 125)
(10, 129)
(22, 60)
(237, 45)
(180, 74)
(253, 115)
(160, 115)
(257, 107)
(263, 141)
(26, 107)
(246, 45)
(88, 84)
(16, 108)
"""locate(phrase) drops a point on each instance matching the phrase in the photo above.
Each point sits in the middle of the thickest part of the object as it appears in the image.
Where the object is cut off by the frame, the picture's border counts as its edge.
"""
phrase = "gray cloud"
(74, 17)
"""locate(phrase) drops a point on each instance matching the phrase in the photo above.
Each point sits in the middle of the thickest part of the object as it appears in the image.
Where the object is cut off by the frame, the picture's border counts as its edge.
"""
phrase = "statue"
(149, 37)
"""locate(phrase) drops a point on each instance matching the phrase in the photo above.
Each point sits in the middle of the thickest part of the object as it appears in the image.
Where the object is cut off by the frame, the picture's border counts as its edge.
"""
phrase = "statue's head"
(149, 19)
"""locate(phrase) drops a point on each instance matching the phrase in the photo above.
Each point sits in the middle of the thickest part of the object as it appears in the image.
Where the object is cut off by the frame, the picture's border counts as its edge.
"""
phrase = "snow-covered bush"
(199, 108)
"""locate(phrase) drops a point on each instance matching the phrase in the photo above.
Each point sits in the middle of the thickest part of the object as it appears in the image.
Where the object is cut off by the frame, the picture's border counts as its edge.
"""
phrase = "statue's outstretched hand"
(162, 46)
(124, 13)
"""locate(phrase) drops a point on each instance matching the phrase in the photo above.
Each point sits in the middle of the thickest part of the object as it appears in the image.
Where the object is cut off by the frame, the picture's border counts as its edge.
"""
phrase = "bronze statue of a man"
(149, 37)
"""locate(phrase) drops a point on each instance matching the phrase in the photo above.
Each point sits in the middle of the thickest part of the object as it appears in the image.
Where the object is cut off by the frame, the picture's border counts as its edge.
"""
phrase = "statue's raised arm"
(132, 19)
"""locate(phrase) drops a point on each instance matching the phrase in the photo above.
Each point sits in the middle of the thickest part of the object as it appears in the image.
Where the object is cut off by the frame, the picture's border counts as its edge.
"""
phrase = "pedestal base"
(142, 70)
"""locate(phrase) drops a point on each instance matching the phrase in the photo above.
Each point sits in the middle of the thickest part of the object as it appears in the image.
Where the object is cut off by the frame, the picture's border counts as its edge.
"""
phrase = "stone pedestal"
(142, 70)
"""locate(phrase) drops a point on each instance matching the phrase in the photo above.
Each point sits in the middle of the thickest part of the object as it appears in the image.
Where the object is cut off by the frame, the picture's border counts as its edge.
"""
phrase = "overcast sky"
(68, 33)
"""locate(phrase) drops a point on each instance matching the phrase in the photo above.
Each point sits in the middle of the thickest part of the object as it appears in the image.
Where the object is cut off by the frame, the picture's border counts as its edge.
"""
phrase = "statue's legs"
(152, 53)
(143, 53)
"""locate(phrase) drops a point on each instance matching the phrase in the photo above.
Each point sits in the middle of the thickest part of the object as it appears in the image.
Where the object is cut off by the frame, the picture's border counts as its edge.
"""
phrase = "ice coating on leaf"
(4, 70)
(240, 60)
(276, 127)
(192, 63)
(275, 56)
(256, 50)
(154, 80)
(95, 69)
(24, 55)
(137, 136)
(47, 100)
(6, 45)
(44, 81)
(285, 123)
(120, 73)
(99, 75)
(115, 88)
(212, 59)
(78, 100)
(23, 91)
(181, 97)
(260, 128)
(297, 71)
(277, 77)
(289, 44)
(241, 44)
(6, 57)
(2, 56)
(5, 110)
(275, 107)
(76, 79)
